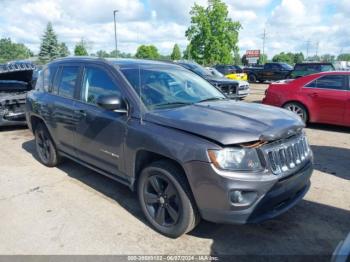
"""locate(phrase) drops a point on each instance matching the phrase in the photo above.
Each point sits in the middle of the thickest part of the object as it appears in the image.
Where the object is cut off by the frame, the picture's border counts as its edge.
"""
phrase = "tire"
(299, 109)
(45, 147)
(252, 78)
(166, 199)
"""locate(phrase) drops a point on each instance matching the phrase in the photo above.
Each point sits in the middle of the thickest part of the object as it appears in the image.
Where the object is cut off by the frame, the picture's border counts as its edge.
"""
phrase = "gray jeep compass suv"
(187, 150)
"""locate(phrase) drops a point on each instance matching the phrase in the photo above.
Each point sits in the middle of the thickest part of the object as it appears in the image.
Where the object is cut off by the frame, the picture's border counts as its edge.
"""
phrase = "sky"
(290, 25)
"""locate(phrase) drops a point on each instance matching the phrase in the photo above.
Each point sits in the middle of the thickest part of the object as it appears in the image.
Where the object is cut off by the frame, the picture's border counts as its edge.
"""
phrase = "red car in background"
(317, 98)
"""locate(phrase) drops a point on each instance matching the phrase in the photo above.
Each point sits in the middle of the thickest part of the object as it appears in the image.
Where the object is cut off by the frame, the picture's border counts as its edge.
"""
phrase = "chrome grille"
(228, 89)
(286, 156)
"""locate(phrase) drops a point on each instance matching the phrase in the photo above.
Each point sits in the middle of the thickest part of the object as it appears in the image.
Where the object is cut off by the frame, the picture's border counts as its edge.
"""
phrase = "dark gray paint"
(110, 142)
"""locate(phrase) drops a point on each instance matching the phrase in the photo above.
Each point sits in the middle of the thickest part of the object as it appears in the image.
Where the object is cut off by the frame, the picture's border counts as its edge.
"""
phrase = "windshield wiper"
(172, 104)
(212, 99)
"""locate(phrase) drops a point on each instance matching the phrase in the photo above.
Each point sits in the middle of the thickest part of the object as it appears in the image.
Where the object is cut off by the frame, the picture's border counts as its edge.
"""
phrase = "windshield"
(287, 67)
(216, 72)
(200, 70)
(169, 87)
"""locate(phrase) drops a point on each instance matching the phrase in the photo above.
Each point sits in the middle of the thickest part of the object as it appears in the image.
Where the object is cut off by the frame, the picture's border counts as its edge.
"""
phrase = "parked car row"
(280, 71)
(188, 150)
(231, 88)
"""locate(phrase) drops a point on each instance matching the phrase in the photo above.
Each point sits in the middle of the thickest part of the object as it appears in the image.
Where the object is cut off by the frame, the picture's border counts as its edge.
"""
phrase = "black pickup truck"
(269, 72)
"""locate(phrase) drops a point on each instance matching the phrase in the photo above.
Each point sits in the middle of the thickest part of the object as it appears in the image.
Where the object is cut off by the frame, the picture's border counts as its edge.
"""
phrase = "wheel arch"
(145, 157)
(309, 117)
(35, 121)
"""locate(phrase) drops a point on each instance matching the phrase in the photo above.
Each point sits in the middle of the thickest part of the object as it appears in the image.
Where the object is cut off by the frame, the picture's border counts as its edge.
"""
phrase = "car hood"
(229, 122)
(221, 80)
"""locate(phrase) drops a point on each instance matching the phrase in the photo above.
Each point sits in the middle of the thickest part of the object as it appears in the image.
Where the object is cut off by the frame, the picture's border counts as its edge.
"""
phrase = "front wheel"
(298, 109)
(166, 199)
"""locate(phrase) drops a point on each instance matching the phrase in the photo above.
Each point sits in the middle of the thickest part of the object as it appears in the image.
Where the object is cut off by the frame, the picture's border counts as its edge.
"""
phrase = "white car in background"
(243, 86)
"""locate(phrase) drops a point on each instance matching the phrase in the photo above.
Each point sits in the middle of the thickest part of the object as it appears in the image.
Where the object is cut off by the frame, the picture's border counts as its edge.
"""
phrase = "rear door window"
(336, 82)
(68, 81)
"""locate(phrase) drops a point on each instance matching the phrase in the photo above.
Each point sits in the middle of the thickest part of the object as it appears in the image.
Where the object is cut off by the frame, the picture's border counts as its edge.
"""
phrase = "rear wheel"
(45, 147)
(298, 109)
(252, 78)
(166, 199)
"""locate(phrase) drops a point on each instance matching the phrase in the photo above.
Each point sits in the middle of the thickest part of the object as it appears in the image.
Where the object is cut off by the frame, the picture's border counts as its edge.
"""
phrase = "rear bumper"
(273, 196)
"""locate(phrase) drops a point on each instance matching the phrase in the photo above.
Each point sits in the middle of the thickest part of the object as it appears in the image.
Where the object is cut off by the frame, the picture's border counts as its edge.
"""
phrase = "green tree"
(49, 48)
(244, 60)
(314, 58)
(187, 53)
(120, 54)
(237, 59)
(212, 34)
(63, 50)
(13, 51)
(262, 59)
(290, 58)
(147, 52)
(102, 54)
(80, 48)
(299, 58)
(176, 54)
(344, 57)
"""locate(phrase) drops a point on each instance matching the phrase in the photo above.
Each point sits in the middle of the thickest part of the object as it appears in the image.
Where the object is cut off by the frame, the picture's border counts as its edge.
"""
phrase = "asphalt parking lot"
(72, 210)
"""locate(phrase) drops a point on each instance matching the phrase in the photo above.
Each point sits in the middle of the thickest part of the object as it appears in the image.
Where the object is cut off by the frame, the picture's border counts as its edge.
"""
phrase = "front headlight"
(236, 159)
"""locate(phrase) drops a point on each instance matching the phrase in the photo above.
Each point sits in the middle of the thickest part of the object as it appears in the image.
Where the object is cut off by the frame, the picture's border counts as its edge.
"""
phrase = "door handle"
(313, 95)
(80, 112)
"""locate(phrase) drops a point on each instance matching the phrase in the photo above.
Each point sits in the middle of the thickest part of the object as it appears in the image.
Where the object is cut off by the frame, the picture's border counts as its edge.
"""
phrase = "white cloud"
(289, 23)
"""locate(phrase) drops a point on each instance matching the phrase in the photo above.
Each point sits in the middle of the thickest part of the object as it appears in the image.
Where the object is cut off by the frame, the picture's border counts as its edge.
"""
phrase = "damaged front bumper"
(12, 110)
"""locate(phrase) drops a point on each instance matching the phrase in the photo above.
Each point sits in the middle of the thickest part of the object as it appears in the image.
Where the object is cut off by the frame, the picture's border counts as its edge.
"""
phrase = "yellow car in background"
(232, 72)
(238, 76)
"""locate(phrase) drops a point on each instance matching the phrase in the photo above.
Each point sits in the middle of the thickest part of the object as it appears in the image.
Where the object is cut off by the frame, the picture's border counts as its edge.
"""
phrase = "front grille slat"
(284, 157)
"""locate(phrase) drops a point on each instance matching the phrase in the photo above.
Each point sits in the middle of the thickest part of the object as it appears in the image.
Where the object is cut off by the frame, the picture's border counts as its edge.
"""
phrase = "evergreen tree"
(49, 48)
(63, 49)
(176, 54)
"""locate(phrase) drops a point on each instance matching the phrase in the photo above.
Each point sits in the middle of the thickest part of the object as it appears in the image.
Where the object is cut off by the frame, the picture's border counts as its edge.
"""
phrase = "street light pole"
(115, 33)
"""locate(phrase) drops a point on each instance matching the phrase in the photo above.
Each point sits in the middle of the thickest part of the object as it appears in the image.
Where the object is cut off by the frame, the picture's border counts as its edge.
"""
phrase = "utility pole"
(115, 33)
(317, 43)
(307, 49)
(264, 39)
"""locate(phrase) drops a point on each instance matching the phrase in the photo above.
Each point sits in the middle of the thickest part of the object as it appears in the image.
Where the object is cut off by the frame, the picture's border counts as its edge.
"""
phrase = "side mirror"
(112, 103)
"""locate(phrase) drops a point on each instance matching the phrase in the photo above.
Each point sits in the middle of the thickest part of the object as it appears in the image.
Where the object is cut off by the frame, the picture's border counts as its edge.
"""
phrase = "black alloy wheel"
(166, 199)
(45, 147)
(162, 200)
